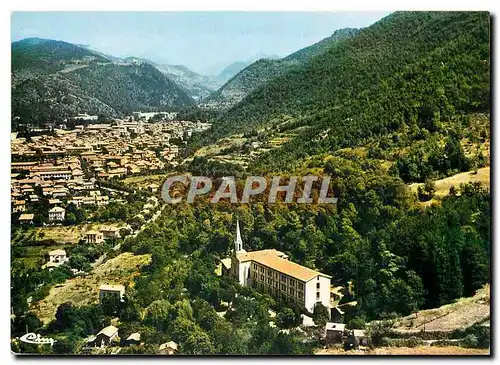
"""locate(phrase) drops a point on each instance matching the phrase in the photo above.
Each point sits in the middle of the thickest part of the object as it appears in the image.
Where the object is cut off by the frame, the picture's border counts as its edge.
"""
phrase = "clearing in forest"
(85, 290)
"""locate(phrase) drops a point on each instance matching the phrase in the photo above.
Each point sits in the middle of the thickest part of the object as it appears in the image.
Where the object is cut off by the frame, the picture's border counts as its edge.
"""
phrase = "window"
(301, 286)
(283, 287)
(317, 296)
(317, 285)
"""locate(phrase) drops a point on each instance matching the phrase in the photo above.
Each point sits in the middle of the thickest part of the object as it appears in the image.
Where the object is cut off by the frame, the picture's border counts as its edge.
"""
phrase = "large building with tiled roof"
(270, 271)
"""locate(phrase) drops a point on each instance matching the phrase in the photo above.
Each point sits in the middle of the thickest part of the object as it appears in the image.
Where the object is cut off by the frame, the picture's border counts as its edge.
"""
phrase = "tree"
(356, 323)
(320, 315)
(287, 319)
(157, 314)
(66, 346)
(66, 316)
(79, 262)
(198, 343)
(110, 304)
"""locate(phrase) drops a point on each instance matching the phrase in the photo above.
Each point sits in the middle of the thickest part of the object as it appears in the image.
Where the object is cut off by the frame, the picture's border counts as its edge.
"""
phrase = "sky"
(205, 42)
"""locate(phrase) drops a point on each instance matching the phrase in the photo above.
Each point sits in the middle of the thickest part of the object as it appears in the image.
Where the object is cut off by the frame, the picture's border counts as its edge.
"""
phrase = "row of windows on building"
(276, 286)
(271, 274)
(280, 295)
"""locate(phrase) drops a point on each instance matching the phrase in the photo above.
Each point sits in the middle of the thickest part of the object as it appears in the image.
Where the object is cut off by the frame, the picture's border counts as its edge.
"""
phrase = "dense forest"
(400, 258)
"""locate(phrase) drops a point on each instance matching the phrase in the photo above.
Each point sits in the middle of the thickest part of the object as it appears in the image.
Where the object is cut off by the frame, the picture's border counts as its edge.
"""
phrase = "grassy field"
(31, 245)
(144, 181)
(409, 351)
(70, 234)
(461, 314)
(85, 290)
(443, 186)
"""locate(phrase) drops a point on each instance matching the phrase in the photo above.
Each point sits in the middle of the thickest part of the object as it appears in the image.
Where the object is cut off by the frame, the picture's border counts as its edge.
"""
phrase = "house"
(111, 290)
(57, 214)
(94, 237)
(133, 339)
(26, 218)
(168, 348)
(153, 187)
(270, 271)
(104, 338)
(19, 206)
(334, 332)
(110, 232)
(360, 337)
(58, 256)
(56, 259)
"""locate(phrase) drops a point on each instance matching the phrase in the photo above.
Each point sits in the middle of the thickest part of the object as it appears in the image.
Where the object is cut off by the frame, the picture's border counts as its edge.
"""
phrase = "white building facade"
(270, 271)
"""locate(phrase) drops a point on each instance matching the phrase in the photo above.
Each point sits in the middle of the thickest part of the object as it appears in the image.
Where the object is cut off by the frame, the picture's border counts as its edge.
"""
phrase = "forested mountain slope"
(53, 80)
(263, 70)
(411, 69)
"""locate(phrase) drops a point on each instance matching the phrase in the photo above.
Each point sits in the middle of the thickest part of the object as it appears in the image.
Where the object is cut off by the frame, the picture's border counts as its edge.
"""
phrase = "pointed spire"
(238, 243)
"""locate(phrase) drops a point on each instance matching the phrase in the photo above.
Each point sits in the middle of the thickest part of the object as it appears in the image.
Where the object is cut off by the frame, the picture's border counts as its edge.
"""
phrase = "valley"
(396, 113)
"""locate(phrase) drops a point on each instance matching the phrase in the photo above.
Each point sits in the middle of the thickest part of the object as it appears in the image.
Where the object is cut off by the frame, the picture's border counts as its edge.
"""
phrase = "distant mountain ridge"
(264, 69)
(196, 85)
(53, 80)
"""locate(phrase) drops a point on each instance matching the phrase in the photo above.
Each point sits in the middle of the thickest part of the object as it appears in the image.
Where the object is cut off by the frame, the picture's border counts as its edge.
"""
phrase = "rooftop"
(273, 259)
(57, 210)
(27, 217)
(112, 287)
(108, 331)
(57, 252)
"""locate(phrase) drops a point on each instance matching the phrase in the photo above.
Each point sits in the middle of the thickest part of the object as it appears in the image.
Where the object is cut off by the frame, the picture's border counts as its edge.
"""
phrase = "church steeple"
(238, 243)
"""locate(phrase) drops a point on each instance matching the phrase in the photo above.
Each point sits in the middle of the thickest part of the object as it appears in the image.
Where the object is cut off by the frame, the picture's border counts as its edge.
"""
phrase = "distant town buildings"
(56, 258)
(66, 166)
(168, 348)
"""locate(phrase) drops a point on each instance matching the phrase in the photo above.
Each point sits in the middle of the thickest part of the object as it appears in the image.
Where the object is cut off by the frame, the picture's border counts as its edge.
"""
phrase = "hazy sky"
(202, 41)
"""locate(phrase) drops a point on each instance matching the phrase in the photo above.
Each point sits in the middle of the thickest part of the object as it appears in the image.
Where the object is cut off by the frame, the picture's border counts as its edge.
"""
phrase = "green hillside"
(409, 70)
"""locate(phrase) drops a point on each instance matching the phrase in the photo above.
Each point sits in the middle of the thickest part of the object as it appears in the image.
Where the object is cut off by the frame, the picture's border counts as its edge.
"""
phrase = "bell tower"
(238, 243)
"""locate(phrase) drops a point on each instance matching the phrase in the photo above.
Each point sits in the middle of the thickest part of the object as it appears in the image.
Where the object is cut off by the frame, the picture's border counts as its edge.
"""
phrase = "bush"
(469, 341)
(356, 323)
